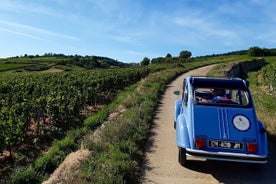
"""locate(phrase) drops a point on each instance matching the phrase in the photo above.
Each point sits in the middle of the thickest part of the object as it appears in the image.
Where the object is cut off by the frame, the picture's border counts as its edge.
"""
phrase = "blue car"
(215, 119)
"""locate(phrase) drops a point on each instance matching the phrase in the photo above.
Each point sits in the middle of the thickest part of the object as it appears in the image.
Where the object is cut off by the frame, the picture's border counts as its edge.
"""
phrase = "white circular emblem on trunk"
(241, 122)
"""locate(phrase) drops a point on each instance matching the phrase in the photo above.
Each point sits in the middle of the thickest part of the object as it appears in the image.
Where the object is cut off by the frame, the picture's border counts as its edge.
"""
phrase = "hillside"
(59, 61)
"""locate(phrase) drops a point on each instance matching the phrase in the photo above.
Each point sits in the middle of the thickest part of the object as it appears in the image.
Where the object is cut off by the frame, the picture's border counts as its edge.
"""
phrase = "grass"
(218, 70)
(225, 59)
(266, 110)
(264, 98)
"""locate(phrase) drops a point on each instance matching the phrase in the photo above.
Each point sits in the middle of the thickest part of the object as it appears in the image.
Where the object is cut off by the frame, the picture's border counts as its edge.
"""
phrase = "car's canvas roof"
(221, 82)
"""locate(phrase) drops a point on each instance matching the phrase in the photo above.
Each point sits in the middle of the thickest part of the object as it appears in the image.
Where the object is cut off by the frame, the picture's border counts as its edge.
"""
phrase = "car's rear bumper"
(225, 156)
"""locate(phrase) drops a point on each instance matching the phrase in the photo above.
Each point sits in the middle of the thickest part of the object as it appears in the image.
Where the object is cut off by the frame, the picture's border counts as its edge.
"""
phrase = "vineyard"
(39, 107)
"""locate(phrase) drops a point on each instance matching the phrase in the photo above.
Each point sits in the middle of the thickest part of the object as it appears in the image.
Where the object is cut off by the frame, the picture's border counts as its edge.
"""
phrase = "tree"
(255, 51)
(168, 58)
(145, 61)
(158, 60)
(168, 55)
(185, 54)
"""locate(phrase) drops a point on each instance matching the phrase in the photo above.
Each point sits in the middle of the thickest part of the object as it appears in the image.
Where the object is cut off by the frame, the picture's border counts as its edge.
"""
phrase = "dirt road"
(162, 165)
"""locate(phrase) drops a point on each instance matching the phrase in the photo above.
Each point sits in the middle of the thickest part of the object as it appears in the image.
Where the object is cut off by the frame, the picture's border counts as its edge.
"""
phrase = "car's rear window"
(221, 96)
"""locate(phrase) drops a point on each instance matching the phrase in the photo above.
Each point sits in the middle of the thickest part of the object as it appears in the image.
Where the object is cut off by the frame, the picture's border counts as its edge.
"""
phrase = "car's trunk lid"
(225, 128)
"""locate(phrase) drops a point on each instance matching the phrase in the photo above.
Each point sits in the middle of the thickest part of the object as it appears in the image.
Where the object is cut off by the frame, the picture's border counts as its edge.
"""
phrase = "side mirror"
(176, 92)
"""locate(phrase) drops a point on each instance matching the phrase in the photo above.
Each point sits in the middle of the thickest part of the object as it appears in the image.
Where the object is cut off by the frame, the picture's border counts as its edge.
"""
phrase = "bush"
(45, 164)
(24, 175)
(60, 149)
(95, 120)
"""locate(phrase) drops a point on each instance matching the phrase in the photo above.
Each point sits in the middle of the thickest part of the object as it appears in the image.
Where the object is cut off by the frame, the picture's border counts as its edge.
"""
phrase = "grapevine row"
(55, 100)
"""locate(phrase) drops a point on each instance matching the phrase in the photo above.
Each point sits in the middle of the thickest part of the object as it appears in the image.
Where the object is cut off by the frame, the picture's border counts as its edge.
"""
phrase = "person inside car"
(219, 96)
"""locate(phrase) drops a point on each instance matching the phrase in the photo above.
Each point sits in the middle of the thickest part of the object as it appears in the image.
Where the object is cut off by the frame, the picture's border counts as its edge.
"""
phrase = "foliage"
(255, 51)
(23, 175)
(97, 119)
(268, 74)
(185, 54)
(259, 52)
(262, 84)
(36, 107)
(11, 130)
(13, 66)
(57, 99)
(50, 160)
(145, 61)
(168, 55)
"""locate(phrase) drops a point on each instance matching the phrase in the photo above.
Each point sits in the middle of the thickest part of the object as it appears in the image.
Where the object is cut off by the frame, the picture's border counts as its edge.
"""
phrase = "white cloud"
(34, 30)
(269, 37)
(20, 33)
(205, 27)
(24, 7)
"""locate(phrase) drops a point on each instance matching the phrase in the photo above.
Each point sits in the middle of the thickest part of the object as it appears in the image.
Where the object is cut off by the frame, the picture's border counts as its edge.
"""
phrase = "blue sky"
(129, 30)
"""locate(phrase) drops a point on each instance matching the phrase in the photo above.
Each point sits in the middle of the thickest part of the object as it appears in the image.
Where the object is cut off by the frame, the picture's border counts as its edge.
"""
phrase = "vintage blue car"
(215, 119)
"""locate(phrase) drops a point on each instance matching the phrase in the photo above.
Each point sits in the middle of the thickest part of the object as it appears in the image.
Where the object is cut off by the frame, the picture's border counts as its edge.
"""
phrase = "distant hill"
(49, 60)
(78, 62)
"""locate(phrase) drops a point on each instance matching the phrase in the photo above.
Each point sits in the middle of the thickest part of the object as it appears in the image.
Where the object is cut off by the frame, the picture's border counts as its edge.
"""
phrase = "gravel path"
(161, 165)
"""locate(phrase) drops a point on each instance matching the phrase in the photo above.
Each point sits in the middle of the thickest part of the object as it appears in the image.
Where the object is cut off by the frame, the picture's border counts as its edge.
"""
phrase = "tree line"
(185, 55)
(88, 62)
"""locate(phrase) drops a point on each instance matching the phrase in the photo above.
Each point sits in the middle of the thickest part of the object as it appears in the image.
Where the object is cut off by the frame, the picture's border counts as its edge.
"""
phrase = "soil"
(53, 70)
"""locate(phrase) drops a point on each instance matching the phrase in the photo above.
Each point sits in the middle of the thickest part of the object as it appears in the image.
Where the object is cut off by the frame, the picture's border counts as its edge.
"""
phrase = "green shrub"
(45, 164)
(48, 162)
(24, 175)
(95, 120)
(110, 166)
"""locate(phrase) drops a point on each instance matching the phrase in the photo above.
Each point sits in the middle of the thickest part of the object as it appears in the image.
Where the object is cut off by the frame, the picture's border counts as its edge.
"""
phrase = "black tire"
(182, 158)
(174, 125)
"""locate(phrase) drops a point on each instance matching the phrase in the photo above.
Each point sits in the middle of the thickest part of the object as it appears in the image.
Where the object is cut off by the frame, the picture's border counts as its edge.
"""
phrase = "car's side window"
(185, 93)
(241, 97)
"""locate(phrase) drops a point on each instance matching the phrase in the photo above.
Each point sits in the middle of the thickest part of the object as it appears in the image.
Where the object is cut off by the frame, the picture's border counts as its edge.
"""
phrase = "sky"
(129, 30)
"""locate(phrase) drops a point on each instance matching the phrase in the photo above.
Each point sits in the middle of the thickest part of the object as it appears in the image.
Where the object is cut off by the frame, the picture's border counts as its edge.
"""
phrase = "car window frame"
(185, 93)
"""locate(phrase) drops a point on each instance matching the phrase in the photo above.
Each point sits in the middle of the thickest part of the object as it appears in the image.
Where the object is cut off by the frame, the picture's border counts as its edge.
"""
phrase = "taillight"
(199, 143)
(252, 147)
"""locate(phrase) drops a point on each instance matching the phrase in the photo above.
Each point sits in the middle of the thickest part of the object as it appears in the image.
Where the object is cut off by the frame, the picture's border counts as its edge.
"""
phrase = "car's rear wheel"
(182, 158)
